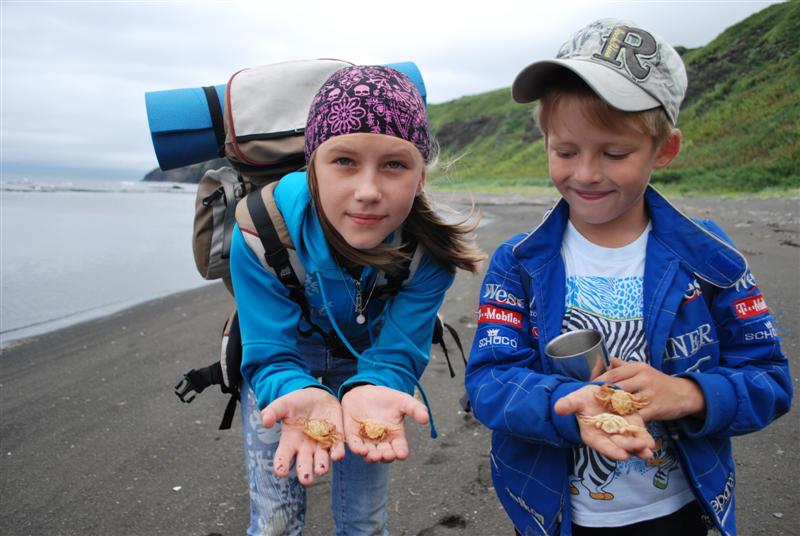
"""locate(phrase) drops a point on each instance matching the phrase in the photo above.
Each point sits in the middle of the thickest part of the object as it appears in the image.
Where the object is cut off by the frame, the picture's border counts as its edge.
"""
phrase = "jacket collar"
(704, 253)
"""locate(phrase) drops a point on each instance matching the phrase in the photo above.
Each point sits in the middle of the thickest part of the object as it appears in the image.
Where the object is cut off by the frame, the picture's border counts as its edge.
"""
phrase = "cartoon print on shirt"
(596, 474)
(665, 460)
(593, 471)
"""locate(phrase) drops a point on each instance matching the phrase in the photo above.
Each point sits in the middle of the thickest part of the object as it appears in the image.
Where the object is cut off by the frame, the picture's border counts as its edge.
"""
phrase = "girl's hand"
(614, 446)
(294, 410)
(388, 406)
(670, 397)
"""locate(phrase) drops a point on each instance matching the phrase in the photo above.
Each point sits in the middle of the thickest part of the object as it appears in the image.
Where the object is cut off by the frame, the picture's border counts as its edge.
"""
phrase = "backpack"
(260, 132)
(273, 247)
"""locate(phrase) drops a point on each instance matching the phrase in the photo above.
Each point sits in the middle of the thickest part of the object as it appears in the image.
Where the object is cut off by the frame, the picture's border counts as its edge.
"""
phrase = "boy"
(674, 300)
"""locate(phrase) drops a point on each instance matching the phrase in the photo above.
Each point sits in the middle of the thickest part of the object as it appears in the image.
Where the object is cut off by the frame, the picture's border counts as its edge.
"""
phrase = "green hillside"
(739, 119)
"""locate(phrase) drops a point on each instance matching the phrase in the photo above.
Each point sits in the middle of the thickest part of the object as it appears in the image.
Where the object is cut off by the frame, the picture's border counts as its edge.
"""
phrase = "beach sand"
(95, 442)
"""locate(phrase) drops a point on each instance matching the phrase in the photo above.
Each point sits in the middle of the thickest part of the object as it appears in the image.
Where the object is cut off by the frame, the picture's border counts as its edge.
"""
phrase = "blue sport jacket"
(727, 342)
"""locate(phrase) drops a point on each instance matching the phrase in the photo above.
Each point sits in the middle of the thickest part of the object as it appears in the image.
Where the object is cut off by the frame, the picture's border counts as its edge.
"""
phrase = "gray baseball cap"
(630, 68)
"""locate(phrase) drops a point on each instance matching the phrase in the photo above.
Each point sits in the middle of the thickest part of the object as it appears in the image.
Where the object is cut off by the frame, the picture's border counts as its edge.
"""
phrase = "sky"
(74, 73)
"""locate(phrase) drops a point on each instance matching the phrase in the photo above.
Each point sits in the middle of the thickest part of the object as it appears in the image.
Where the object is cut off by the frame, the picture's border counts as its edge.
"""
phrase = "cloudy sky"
(74, 73)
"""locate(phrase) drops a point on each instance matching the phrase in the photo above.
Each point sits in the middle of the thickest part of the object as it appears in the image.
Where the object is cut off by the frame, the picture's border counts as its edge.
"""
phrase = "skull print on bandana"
(372, 99)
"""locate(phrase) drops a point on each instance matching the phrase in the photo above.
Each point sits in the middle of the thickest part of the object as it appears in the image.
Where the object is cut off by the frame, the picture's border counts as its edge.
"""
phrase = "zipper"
(212, 198)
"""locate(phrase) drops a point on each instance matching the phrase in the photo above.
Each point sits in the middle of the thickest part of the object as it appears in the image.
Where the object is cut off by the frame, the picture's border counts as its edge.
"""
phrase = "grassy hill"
(740, 120)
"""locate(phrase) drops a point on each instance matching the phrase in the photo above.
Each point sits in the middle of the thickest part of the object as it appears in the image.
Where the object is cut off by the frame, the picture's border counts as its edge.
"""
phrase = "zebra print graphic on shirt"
(624, 338)
(593, 472)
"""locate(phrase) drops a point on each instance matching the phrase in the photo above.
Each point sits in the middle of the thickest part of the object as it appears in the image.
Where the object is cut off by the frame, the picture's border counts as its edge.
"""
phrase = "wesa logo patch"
(498, 338)
(498, 315)
(750, 306)
(746, 282)
(497, 294)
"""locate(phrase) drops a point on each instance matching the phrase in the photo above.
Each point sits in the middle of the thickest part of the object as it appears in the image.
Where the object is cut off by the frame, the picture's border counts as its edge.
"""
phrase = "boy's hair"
(598, 112)
(450, 244)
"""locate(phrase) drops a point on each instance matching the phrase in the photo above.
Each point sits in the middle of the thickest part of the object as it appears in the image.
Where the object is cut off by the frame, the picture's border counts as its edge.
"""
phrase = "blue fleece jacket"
(728, 343)
(399, 329)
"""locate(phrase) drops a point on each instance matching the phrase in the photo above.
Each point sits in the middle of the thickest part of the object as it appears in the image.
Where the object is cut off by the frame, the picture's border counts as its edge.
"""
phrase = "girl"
(361, 200)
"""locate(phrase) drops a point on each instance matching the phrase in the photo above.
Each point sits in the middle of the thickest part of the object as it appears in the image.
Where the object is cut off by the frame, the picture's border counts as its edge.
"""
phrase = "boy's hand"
(387, 406)
(614, 446)
(670, 397)
(295, 409)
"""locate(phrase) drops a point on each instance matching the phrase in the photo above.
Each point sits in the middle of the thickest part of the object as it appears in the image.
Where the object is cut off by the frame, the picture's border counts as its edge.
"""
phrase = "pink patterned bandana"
(368, 98)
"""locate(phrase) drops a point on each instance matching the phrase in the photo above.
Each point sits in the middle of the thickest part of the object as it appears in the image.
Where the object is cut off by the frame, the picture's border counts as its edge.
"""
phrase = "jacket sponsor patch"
(497, 294)
(721, 501)
(687, 344)
(746, 282)
(760, 332)
(692, 292)
(497, 337)
(498, 315)
(750, 306)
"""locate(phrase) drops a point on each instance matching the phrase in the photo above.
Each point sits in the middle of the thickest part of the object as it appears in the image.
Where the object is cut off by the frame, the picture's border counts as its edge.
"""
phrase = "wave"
(98, 186)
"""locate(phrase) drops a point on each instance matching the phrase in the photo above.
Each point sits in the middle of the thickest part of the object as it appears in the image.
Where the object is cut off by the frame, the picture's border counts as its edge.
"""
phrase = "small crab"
(611, 424)
(321, 430)
(373, 429)
(619, 401)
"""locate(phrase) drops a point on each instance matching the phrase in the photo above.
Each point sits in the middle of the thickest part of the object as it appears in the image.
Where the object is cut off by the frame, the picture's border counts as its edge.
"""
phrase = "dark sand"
(95, 443)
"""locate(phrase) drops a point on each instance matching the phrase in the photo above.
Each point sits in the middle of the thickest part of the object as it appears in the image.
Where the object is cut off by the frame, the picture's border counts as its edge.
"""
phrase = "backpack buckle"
(185, 387)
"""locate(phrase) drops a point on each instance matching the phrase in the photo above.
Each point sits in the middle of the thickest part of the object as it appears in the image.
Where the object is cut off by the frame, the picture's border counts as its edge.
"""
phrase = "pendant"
(360, 319)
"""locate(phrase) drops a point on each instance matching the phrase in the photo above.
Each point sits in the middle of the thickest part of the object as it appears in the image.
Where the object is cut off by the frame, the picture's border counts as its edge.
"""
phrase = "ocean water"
(74, 251)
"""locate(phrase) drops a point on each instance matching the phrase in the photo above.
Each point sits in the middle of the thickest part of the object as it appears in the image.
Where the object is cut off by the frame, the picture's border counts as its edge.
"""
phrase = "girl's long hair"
(451, 244)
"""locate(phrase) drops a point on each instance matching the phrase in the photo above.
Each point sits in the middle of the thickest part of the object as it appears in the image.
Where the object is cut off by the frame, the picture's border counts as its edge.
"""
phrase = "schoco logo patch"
(494, 337)
(498, 315)
(766, 334)
(750, 306)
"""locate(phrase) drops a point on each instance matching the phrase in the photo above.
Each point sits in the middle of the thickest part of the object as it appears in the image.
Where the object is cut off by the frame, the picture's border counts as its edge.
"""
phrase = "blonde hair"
(653, 122)
(450, 244)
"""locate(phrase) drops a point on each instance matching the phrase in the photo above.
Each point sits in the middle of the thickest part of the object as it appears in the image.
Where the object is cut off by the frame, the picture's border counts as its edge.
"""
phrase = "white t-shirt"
(604, 292)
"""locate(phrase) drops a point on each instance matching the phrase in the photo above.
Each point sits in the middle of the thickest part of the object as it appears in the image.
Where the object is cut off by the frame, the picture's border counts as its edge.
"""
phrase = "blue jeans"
(359, 490)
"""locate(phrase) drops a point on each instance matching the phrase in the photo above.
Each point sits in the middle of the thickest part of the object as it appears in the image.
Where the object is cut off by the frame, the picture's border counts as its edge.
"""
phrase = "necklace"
(359, 305)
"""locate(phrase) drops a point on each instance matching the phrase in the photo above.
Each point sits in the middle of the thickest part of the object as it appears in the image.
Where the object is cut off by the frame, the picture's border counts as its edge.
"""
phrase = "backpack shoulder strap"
(265, 233)
(259, 217)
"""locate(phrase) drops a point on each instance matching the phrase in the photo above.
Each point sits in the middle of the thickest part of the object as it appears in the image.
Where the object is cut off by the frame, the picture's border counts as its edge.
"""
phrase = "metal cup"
(580, 354)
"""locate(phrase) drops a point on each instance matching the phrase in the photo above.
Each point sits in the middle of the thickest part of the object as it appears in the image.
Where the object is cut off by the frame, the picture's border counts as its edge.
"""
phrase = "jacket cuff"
(566, 425)
(385, 378)
(290, 386)
(721, 405)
